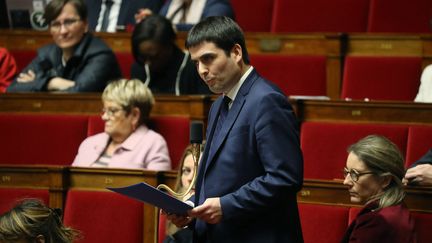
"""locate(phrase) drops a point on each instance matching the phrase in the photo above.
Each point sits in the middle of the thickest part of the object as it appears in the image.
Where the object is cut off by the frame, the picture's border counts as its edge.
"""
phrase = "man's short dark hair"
(220, 30)
(54, 8)
(154, 28)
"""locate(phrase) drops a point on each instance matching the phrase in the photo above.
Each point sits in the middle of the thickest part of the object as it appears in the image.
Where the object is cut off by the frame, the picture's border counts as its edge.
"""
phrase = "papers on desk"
(145, 193)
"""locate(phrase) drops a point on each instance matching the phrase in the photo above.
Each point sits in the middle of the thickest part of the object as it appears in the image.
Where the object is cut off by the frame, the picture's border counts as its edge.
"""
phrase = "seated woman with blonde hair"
(373, 174)
(32, 221)
(127, 141)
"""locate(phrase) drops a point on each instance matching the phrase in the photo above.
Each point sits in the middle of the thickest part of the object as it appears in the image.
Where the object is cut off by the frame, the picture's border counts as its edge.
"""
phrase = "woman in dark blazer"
(373, 174)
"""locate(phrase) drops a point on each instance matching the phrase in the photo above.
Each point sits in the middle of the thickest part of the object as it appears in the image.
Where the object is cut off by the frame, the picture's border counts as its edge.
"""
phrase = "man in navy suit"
(252, 166)
(125, 11)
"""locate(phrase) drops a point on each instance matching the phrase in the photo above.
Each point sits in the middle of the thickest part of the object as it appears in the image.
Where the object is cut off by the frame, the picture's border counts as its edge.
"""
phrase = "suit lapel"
(232, 116)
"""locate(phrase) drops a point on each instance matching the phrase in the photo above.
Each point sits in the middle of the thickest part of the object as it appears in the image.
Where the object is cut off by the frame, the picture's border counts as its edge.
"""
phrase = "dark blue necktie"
(105, 20)
(222, 115)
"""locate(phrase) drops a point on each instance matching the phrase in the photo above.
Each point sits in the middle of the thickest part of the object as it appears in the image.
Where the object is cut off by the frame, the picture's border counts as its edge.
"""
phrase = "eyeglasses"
(110, 111)
(354, 174)
(67, 23)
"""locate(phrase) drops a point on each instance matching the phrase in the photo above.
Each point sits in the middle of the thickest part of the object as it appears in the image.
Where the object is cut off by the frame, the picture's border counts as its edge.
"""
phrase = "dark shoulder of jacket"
(91, 45)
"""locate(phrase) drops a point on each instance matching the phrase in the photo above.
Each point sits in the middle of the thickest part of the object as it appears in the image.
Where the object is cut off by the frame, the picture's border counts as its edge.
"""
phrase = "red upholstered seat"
(41, 139)
(162, 221)
(381, 78)
(175, 130)
(423, 225)
(321, 223)
(125, 60)
(320, 16)
(253, 16)
(295, 75)
(419, 142)
(324, 145)
(9, 197)
(412, 16)
(104, 216)
(23, 57)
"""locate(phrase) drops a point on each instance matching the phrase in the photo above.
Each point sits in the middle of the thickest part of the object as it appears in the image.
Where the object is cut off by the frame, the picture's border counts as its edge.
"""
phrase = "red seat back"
(325, 145)
(41, 139)
(104, 216)
(125, 60)
(260, 10)
(419, 142)
(330, 220)
(23, 57)
(320, 16)
(295, 75)
(9, 197)
(381, 78)
(412, 16)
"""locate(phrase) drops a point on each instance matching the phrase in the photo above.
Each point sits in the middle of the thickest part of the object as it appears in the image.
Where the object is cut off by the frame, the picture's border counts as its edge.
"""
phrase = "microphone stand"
(196, 140)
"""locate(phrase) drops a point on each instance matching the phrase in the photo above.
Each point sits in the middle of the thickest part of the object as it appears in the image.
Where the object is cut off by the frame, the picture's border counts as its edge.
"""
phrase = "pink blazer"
(143, 149)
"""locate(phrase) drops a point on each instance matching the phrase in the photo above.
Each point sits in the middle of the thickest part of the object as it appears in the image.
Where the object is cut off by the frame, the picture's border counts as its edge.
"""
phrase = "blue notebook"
(145, 193)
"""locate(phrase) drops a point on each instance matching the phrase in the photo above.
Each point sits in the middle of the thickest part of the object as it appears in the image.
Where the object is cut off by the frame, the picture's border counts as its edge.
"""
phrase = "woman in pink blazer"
(373, 174)
(127, 142)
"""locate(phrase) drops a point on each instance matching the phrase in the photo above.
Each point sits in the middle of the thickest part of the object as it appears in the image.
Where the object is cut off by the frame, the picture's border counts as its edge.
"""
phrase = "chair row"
(364, 77)
(327, 223)
(334, 15)
(324, 144)
(50, 139)
(104, 216)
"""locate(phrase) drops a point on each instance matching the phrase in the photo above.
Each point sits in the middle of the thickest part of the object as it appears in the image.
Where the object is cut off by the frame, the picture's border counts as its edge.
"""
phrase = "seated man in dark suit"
(420, 172)
(119, 14)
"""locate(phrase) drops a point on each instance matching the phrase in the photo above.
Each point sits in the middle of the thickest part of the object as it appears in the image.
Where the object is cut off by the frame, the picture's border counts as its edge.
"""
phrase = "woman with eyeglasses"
(75, 62)
(30, 221)
(373, 173)
(127, 142)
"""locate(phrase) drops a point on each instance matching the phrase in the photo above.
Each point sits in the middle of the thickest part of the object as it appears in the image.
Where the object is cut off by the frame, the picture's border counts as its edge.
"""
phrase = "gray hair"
(383, 157)
(129, 94)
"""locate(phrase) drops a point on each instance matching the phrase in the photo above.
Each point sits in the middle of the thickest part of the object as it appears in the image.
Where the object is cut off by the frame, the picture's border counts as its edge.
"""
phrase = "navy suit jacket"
(426, 159)
(256, 168)
(128, 9)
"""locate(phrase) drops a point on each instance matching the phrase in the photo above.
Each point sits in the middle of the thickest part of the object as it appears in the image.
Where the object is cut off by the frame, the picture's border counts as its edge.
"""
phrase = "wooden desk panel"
(195, 106)
(335, 193)
(360, 111)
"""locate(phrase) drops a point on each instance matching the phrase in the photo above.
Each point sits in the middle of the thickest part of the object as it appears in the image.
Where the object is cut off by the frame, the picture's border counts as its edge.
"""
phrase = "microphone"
(196, 132)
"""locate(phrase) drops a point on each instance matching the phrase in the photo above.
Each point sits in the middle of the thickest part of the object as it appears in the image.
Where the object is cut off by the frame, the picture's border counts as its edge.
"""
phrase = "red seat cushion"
(412, 16)
(320, 16)
(9, 197)
(381, 78)
(104, 216)
(325, 145)
(41, 139)
(330, 220)
(295, 75)
(419, 142)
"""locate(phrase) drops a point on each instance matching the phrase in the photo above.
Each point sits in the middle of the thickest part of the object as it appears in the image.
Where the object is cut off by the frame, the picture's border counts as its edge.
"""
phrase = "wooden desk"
(335, 193)
(195, 107)
(391, 45)
(360, 111)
